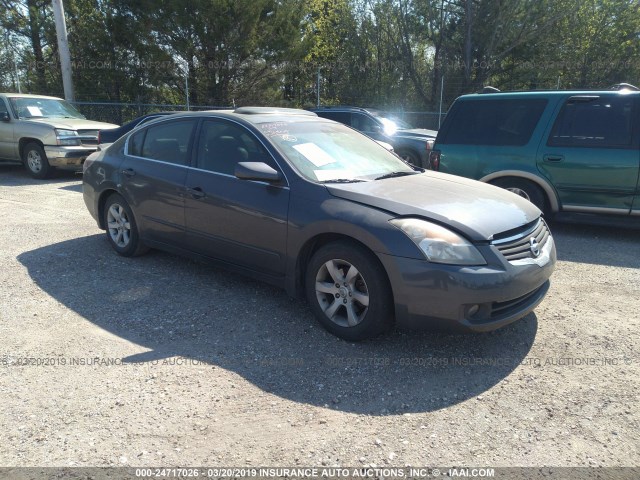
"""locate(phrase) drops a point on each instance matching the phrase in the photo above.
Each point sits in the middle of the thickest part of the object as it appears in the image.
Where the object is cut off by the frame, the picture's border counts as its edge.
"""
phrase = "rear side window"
(493, 122)
(135, 144)
(594, 122)
(342, 117)
(167, 142)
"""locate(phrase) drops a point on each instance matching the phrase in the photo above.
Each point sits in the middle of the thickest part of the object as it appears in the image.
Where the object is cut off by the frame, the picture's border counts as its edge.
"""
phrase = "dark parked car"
(325, 212)
(565, 151)
(411, 144)
(111, 135)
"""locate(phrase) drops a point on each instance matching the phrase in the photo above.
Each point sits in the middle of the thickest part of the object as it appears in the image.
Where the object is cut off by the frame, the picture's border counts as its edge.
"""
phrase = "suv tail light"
(434, 160)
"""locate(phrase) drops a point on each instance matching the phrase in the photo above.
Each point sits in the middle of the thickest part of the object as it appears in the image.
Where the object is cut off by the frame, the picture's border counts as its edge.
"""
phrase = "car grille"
(518, 245)
(88, 138)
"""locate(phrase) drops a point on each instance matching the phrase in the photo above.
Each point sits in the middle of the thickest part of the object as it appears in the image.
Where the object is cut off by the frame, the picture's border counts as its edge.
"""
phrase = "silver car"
(45, 133)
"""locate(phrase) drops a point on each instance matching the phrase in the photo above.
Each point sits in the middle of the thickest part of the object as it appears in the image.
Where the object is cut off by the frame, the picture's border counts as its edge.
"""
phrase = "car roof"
(257, 115)
(29, 95)
(545, 94)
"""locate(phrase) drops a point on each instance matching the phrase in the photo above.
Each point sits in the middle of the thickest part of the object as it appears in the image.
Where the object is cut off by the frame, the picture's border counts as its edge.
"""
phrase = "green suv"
(565, 151)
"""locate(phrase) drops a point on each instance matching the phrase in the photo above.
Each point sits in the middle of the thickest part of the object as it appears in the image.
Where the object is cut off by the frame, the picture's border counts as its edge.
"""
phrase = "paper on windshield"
(323, 175)
(314, 154)
(34, 111)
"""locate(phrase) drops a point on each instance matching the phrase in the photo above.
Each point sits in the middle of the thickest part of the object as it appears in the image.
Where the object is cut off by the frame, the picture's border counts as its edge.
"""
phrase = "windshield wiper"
(343, 180)
(395, 174)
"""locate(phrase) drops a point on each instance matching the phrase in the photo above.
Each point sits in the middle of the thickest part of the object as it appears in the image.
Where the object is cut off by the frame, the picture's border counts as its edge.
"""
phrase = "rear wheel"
(525, 189)
(349, 292)
(36, 161)
(122, 230)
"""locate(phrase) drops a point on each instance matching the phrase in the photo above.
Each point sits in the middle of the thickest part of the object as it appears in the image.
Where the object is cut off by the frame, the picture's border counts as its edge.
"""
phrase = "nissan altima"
(325, 212)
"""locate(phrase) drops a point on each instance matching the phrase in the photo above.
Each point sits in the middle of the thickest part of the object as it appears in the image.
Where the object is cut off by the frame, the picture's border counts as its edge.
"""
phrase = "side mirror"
(5, 117)
(257, 171)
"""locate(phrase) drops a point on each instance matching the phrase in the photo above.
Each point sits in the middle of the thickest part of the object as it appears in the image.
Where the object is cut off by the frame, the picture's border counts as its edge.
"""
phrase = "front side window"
(363, 123)
(594, 122)
(3, 108)
(493, 122)
(222, 144)
(167, 142)
(326, 152)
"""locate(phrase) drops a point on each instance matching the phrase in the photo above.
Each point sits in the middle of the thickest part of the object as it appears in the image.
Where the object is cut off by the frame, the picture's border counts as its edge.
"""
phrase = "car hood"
(72, 123)
(417, 132)
(475, 209)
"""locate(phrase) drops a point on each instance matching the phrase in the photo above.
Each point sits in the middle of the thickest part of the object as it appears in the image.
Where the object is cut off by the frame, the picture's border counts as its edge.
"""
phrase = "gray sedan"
(325, 212)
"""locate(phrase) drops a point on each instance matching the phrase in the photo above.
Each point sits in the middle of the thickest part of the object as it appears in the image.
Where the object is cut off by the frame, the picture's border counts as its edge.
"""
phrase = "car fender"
(339, 218)
(541, 182)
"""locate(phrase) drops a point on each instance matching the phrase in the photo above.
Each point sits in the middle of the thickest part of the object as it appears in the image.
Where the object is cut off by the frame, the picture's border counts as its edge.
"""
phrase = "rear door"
(153, 178)
(591, 153)
(241, 222)
(490, 133)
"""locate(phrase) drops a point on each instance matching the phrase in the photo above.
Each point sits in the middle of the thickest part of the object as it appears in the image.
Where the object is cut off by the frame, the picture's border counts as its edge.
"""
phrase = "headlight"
(439, 244)
(67, 137)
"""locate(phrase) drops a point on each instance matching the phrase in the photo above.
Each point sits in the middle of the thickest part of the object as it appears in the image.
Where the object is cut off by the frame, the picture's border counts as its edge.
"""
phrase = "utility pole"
(318, 89)
(63, 48)
(13, 58)
(441, 93)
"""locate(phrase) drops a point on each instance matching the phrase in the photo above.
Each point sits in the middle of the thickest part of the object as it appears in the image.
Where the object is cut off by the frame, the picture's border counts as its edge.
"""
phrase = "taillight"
(89, 160)
(434, 159)
(99, 142)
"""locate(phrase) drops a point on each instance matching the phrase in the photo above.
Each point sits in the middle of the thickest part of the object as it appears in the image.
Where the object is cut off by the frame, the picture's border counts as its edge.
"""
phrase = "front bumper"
(478, 299)
(68, 158)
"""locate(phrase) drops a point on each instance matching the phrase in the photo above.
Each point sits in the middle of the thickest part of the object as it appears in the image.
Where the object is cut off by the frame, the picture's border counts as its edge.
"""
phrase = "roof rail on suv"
(490, 89)
(624, 86)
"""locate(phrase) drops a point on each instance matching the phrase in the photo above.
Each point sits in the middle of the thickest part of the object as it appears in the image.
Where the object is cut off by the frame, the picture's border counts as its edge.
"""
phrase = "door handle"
(128, 172)
(553, 158)
(196, 192)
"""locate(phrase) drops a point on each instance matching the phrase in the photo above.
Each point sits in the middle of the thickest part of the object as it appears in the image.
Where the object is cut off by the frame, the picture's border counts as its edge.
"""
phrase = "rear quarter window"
(509, 122)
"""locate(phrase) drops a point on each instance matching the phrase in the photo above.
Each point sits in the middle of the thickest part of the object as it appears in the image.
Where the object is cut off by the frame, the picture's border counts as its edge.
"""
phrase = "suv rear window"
(492, 122)
(594, 122)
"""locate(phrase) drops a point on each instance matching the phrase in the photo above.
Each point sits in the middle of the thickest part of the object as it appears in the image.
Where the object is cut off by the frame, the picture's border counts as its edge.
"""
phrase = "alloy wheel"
(118, 225)
(342, 293)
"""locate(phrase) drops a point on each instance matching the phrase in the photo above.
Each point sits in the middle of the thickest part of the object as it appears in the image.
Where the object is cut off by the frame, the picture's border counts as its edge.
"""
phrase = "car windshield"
(331, 152)
(391, 123)
(26, 107)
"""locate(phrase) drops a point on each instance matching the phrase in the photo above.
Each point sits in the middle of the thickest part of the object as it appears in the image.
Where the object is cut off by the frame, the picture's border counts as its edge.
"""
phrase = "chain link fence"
(121, 113)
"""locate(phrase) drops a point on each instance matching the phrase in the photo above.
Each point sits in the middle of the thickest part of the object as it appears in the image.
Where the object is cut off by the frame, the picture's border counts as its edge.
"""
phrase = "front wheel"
(36, 161)
(349, 292)
(122, 230)
(409, 157)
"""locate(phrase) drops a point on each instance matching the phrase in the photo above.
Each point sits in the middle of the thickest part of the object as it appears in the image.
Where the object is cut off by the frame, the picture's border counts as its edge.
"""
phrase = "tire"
(361, 305)
(410, 157)
(525, 189)
(121, 226)
(35, 160)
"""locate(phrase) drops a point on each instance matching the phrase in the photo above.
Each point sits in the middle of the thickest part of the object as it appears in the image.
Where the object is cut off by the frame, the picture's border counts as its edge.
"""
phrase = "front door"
(591, 154)
(237, 221)
(8, 147)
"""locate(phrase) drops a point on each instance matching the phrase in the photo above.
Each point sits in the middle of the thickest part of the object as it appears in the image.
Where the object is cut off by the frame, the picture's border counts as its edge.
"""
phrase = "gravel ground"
(158, 360)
